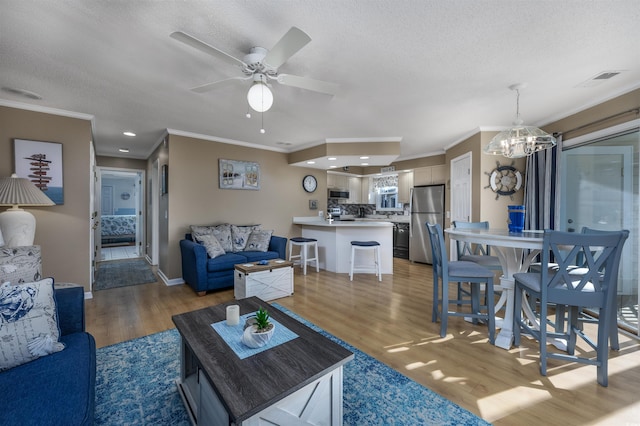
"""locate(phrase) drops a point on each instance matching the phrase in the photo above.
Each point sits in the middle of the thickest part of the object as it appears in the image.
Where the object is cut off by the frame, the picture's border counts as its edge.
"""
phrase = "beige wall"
(194, 197)
(62, 230)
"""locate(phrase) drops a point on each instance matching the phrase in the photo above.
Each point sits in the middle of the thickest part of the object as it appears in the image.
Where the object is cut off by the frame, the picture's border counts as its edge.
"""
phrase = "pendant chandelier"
(519, 140)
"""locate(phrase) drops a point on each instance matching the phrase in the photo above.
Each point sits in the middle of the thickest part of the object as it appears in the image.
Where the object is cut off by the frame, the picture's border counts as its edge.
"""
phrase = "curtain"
(542, 188)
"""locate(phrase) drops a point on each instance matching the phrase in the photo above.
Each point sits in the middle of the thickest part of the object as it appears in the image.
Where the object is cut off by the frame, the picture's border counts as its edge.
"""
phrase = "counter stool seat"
(366, 245)
(303, 255)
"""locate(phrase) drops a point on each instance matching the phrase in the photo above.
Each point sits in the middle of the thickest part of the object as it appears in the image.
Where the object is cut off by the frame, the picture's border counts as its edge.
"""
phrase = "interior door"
(96, 241)
(460, 192)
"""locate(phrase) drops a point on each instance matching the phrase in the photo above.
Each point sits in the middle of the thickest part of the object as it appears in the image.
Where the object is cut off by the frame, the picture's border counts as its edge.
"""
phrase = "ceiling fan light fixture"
(519, 141)
(259, 96)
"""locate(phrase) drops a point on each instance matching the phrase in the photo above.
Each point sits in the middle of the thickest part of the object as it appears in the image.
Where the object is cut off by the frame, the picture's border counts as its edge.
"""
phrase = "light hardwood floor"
(391, 321)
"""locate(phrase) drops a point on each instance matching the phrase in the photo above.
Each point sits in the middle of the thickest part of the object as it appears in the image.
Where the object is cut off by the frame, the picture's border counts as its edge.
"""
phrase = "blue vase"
(516, 218)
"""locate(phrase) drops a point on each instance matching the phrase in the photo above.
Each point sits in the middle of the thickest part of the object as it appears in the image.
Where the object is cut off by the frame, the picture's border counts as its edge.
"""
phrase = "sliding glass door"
(600, 181)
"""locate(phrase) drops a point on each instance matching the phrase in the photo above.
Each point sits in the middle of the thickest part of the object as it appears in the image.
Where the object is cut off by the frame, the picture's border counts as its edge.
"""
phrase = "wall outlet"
(320, 213)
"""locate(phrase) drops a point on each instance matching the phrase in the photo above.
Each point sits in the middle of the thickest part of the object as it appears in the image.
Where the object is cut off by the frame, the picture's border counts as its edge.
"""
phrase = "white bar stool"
(366, 245)
(304, 244)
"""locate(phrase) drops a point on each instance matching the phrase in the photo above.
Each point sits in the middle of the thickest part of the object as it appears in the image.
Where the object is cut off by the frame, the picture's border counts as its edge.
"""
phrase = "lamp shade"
(520, 141)
(17, 226)
(16, 191)
(260, 97)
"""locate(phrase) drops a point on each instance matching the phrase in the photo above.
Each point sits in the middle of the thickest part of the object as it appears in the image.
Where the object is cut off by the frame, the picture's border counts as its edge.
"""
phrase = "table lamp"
(17, 226)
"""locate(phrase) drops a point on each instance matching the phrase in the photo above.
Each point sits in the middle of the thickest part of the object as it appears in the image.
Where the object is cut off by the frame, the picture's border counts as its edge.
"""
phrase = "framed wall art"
(41, 163)
(239, 174)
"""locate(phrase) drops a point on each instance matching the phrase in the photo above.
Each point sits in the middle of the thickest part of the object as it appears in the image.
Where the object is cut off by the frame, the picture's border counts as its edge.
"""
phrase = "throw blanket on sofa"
(118, 229)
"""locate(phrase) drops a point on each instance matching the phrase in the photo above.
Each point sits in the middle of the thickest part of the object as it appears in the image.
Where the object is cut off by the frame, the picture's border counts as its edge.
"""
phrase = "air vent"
(606, 75)
(599, 78)
(21, 92)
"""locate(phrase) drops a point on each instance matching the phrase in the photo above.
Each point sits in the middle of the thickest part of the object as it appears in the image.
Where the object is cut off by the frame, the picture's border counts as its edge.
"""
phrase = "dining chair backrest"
(594, 285)
(464, 248)
(438, 250)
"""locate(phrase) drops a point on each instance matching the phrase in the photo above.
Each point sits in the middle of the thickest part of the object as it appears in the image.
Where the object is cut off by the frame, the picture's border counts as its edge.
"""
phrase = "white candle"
(233, 315)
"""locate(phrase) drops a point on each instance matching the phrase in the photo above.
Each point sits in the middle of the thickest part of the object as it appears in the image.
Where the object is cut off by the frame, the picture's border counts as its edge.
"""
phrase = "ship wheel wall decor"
(504, 180)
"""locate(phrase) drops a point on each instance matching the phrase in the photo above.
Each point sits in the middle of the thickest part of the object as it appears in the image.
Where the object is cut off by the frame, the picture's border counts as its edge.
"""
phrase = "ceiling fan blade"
(206, 48)
(294, 40)
(216, 84)
(308, 84)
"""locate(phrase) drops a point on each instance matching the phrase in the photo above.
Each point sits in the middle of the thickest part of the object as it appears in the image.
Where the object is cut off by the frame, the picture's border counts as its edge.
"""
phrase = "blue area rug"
(135, 385)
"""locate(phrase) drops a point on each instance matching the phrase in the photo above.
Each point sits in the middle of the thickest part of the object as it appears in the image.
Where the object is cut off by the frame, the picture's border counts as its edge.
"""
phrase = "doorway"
(120, 233)
(460, 192)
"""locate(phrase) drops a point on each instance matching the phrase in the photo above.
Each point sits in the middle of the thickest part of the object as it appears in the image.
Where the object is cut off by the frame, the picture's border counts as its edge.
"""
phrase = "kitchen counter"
(349, 218)
(334, 241)
(341, 223)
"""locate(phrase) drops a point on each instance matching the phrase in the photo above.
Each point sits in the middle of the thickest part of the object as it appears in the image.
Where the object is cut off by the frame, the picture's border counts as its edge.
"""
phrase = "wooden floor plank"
(391, 321)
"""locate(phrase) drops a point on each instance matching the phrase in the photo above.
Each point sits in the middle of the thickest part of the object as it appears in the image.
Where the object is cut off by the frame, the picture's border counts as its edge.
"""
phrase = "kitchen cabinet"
(355, 189)
(367, 195)
(405, 183)
(430, 175)
(439, 174)
(335, 181)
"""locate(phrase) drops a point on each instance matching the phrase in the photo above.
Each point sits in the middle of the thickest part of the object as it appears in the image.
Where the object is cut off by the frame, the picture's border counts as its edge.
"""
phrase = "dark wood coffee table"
(298, 382)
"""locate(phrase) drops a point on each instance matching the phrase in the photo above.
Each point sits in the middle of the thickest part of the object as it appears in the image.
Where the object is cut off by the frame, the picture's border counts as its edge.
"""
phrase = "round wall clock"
(309, 183)
(504, 180)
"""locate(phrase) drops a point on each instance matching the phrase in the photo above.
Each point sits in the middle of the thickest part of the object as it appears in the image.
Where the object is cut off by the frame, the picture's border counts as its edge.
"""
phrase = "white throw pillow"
(259, 240)
(211, 243)
(28, 322)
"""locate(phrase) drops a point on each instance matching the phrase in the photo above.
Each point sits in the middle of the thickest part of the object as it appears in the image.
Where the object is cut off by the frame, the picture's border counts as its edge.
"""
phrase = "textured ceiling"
(428, 72)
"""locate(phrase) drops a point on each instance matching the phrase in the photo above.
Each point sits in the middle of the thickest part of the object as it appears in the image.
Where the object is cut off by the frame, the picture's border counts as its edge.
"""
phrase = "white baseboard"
(167, 281)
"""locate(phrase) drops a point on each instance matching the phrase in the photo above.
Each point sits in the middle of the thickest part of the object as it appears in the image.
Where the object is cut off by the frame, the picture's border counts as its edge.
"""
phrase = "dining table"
(515, 251)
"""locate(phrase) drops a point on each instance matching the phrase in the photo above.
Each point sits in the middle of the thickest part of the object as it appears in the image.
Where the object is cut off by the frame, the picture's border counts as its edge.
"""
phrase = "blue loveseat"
(203, 273)
(57, 389)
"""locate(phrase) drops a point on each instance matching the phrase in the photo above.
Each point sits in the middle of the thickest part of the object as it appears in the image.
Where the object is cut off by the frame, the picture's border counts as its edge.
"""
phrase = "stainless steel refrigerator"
(427, 205)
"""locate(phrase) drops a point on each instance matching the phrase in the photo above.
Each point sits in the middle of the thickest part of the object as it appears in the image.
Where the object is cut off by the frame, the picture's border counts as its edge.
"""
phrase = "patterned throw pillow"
(28, 322)
(211, 243)
(240, 236)
(20, 264)
(221, 232)
(259, 240)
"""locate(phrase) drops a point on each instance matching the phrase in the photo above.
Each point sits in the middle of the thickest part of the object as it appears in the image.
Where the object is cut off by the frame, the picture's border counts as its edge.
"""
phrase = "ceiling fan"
(261, 65)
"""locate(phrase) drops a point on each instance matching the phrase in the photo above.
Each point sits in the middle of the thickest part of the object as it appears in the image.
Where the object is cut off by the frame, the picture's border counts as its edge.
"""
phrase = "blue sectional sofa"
(203, 273)
(57, 389)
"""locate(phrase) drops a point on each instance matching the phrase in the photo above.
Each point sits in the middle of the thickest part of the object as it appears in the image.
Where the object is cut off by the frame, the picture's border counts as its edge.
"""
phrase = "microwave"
(338, 194)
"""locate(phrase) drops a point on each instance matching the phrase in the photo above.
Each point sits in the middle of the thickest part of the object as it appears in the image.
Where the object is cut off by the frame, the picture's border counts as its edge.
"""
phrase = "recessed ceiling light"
(333, 167)
(364, 158)
(332, 158)
(364, 164)
(123, 149)
(129, 134)
(311, 162)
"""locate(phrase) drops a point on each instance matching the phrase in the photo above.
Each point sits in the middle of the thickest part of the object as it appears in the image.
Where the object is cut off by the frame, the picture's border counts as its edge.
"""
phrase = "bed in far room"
(118, 229)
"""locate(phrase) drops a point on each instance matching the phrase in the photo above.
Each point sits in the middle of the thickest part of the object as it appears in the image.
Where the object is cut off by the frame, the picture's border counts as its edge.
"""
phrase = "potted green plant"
(259, 331)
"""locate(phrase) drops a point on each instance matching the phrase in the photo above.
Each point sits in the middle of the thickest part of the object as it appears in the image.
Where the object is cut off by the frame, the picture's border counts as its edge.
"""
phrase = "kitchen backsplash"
(354, 209)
